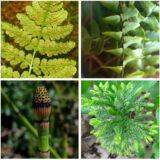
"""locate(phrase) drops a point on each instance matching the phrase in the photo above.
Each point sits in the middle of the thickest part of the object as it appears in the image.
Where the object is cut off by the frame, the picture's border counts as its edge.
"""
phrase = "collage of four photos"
(80, 79)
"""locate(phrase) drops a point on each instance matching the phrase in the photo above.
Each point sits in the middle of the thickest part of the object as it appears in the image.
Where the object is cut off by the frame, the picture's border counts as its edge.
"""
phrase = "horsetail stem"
(42, 110)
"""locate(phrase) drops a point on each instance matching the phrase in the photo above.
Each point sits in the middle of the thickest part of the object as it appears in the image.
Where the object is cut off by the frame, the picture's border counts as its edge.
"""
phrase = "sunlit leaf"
(128, 40)
(151, 60)
(118, 52)
(114, 35)
(128, 13)
(130, 59)
(117, 69)
(112, 20)
(137, 74)
(150, 47)
(133, 52)
(128, 26)
(111, 5)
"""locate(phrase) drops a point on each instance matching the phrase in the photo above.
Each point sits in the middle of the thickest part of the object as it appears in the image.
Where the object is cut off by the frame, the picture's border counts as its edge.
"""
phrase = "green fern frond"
(136, 29)
(119, 117)
(41, 35)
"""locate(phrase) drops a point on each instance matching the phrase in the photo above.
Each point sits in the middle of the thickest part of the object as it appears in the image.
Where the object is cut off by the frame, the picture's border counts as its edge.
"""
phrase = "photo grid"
(80, 79)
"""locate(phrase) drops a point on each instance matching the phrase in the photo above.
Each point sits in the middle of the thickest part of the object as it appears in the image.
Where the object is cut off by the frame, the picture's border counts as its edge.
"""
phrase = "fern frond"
(53, 48)
(15, 56)
(57, 32)
(138, 35)
(120, 117)
(19, 36)
(41, 33)
(9, 73)
(54, 68)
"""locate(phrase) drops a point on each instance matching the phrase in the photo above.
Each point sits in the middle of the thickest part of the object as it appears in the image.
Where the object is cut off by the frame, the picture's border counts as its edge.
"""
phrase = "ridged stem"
(43, 142)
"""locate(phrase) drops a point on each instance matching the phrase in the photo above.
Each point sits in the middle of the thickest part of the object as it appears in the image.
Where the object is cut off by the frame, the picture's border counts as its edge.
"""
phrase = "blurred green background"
(17, 141)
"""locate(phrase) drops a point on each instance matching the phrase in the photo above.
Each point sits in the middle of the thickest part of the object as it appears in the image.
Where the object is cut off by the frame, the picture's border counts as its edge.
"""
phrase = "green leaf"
(133, 52)
(135, 146)
(117, 139)
(111, 111)
(118, 52)
(117, 69)
(114, 35)
(95, 31)
(128, 26)
(137, 74)
(146, 85)
(85, 86)
(156, 9)
(147, 7)
(157, 116)
(128, 41)
(152, 22)
(86, 38)
(130, 59)
(152, 35)
(112, 5)
(128, 13)
(150, 70)
(155, 150)
(112, 20)
(151, 60)
(139, 32)
(99, 45)
(141, 153)
(150, 47)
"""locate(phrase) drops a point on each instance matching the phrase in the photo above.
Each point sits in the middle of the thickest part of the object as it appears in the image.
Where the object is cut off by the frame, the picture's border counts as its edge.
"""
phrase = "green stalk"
(43, 142)
(25, 121)
(65, 144)
(42, 110)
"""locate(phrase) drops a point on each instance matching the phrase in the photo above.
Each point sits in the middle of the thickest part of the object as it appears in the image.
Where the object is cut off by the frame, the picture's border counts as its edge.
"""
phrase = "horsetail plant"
(120, 117)
(25, 121)
(42, 110)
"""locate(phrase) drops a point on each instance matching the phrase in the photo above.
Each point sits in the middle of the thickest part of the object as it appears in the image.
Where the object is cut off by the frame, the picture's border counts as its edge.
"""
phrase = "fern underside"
(40, 40)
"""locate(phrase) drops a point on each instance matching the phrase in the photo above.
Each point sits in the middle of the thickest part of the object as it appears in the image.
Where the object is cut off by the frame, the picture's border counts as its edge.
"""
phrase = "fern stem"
(39, 36)
(25, 121)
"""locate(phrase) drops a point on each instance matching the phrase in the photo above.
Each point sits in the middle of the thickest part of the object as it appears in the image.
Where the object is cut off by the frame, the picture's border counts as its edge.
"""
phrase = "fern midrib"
(40, 35)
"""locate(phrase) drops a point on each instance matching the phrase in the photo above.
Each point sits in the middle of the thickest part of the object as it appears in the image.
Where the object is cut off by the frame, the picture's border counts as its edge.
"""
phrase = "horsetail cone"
(42, 110)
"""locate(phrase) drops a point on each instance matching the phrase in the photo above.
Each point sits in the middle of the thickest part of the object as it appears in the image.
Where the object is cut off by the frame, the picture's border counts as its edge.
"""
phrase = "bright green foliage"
(41, 33)
(119, 117)
(137, 33)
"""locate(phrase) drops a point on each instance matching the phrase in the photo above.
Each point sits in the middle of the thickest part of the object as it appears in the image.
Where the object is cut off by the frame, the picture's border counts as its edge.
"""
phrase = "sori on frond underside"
(40, 39)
